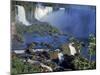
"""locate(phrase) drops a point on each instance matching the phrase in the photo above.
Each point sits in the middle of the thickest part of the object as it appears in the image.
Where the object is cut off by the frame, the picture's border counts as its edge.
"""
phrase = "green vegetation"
(79, 62)
(20, 67)
(92, 47)
(38, 28)
(41, 29)
(82, 63)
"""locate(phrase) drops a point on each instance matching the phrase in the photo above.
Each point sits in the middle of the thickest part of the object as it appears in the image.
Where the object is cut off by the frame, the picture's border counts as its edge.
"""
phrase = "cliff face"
(33, 11)
(29, 9)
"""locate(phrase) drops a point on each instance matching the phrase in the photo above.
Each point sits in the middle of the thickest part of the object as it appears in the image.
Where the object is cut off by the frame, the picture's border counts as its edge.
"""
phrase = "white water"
(61, 8)
(60, 57)
(42, 11)
(21, 16)
(19, 51)
(72, 49)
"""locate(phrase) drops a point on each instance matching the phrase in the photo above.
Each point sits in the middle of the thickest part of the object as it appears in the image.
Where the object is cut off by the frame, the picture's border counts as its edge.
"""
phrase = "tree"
(81, 63)
(19, 67)
(91, 47)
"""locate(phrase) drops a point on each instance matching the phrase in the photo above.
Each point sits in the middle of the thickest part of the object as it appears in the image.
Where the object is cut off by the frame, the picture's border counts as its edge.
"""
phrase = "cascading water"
(42, 11)
(21, 16)
(72, 49)
(60, 57)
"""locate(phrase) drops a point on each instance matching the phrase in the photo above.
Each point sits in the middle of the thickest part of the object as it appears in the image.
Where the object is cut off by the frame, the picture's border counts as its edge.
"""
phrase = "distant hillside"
(39, 28)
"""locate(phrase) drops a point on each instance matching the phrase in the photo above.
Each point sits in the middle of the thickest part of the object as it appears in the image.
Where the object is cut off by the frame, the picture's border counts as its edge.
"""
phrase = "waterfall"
(21, 16)
(60, 57)
(42, 11)
(72, 49)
